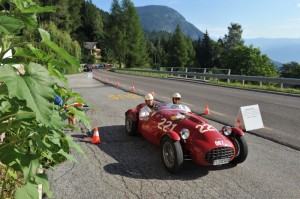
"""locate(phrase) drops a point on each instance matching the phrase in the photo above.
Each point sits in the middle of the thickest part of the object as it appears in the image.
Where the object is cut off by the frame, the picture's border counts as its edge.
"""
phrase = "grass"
(246, 85)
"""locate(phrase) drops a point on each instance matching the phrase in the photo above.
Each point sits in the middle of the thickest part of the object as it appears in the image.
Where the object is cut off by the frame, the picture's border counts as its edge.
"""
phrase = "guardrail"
(280, 81)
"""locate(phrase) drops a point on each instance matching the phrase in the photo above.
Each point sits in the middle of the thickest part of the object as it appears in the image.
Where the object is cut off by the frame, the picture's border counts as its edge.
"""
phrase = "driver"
(176, 99)
(144, 112)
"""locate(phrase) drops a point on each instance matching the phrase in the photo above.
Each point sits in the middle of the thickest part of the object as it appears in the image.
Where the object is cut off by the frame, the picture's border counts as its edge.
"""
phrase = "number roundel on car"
(205, 128)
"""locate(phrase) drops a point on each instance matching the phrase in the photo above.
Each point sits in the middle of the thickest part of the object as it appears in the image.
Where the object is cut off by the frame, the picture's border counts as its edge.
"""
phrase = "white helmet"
(149, 96)
(177, 95)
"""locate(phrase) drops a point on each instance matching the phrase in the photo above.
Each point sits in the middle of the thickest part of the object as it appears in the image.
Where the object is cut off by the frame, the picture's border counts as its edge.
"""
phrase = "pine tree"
(178, 55)
(115, 35)
(208, 56)
(136, 49)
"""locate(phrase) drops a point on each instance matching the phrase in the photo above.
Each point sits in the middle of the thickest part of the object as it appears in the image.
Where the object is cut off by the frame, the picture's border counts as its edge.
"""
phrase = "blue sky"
(258, 18)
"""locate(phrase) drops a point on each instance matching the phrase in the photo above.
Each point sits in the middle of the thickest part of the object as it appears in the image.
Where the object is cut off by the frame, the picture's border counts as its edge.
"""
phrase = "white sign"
(90, 75)
(249, 118)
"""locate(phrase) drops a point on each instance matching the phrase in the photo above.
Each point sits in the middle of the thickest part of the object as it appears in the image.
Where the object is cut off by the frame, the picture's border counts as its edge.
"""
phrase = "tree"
(115, 36)
(290, 70)
(246, 60)
(67, 15)
(136, 52)
(91, 24)
(234, 37)
(190, 52)
(204, 52)
(231, 40)
(178, 55)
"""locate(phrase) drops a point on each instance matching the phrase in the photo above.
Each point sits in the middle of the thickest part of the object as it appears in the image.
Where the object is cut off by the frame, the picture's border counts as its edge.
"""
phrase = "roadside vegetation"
(246, 85)
(31, 126)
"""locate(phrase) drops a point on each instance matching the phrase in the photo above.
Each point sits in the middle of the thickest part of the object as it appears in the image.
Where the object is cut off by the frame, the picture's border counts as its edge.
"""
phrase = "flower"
(20, 68)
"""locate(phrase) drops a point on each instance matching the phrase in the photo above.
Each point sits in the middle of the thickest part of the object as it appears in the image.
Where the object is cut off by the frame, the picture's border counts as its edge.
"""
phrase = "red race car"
(184, 135)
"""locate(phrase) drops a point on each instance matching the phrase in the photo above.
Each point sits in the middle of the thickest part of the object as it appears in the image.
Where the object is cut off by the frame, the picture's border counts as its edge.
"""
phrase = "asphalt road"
(129, 167)
(280, 113)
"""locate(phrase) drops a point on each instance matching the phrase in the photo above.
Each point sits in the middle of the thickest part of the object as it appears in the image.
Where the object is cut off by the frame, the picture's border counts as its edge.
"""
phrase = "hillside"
(163, 18)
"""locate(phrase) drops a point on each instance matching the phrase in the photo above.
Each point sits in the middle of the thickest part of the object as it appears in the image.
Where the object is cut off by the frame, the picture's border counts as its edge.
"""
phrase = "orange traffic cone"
(96, 138)
(132, 88)
(153, 93)
(206, 111)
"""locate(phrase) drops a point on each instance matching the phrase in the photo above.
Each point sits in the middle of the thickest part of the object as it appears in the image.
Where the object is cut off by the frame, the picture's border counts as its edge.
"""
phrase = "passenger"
(144, 112)
(176, 99)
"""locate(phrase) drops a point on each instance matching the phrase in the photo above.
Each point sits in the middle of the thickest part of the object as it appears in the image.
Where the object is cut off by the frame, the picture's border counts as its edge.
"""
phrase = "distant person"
(176, 100)
(145, 111)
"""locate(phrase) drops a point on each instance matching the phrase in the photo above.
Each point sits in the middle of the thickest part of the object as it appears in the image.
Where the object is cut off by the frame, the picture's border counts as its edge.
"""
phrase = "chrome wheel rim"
(168, 154)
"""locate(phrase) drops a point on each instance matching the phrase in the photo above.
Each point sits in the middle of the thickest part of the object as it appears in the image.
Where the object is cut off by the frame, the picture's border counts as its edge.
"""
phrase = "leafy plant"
(32, 123)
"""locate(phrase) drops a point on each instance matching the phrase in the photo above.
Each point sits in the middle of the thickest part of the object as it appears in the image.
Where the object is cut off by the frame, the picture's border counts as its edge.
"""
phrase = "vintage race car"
(184, 135)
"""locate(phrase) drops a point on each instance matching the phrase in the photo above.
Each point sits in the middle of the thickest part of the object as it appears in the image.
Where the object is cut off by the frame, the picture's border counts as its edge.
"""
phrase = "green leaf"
(81, 116)
(73, 144)
(34, 87)
(25, 115)
(25, 53)
(59, 51)
(10, 25)
(58, 75)
(27, 191)
(42, 179)
(9, 156)
(68, 156)
(29, 165)
(56, 121)
(29, 20)
(5, 106)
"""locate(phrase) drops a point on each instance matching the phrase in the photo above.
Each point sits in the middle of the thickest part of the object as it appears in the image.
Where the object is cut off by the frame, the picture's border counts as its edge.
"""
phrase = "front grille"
(219, 153)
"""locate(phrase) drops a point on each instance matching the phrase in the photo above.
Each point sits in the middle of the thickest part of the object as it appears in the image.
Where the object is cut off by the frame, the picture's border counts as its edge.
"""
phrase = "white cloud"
(298, 5)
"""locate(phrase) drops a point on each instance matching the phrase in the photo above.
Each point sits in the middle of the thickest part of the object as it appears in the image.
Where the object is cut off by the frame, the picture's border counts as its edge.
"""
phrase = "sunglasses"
(176, 98)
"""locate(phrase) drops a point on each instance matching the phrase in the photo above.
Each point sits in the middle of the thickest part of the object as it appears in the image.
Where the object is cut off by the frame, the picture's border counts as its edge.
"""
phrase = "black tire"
(130, 126)
(241, 148)
(172, 155)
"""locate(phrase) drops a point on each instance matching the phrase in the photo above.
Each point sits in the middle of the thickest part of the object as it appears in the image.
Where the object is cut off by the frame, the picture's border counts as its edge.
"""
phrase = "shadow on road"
(139, 159)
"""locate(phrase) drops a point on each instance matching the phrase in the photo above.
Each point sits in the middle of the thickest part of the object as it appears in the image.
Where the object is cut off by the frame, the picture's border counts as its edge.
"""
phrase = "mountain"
(162, 18)
(283, 50)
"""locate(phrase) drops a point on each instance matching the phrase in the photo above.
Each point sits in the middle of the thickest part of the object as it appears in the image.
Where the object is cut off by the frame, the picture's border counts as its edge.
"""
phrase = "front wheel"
(241, 149)
(131, 126)
(172, 155)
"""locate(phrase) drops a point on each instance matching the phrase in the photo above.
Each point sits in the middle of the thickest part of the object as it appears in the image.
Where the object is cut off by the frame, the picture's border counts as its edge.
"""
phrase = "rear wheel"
(241, 148)
(131, 126)
(172, 155)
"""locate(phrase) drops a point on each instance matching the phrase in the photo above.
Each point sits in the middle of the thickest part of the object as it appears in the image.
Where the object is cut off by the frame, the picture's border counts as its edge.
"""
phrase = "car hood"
(201, 131)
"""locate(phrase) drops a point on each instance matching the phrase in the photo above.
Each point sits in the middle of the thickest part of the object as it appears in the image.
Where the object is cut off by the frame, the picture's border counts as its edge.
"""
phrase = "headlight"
(184, 133)
(227, 130)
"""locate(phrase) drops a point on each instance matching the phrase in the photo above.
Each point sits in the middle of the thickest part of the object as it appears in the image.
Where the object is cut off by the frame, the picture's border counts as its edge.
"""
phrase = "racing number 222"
(164, 125)
(205, 127)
